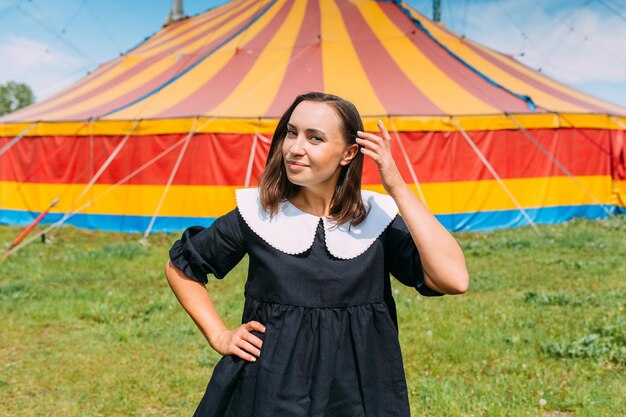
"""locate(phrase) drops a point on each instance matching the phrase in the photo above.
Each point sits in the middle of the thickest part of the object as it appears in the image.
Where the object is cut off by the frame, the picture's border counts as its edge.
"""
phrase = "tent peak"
(176, 13)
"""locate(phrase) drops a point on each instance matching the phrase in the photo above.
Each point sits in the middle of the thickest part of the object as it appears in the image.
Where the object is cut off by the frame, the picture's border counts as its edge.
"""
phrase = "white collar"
(292, 230)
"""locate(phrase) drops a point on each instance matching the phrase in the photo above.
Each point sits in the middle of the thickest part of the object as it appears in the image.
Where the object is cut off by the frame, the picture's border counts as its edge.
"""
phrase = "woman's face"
(314, 149)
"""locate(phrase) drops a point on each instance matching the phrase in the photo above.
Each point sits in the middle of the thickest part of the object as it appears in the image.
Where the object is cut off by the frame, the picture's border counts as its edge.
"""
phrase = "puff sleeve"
(402, 259)
(210, 250)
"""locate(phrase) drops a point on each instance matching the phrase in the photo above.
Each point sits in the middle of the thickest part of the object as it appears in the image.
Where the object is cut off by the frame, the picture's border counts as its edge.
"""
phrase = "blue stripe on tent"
(195, 64)
(465, 222)
(529, 101)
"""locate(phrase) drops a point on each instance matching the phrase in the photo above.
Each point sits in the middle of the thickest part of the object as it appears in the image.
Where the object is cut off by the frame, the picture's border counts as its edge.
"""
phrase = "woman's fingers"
(249, 347)
(371, 154)
(255, 325)
(243, 354)
(384, 131)
(252, 339)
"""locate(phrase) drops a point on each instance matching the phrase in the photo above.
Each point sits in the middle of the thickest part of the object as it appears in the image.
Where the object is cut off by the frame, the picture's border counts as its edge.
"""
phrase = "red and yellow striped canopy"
(241, 64)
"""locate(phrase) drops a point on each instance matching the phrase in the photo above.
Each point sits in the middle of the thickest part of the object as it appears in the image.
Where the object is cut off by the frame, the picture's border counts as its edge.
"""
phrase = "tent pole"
(246, 182)
(558, 164)
(484, 160)
(169, 181)
(407, 161)
(17, 138)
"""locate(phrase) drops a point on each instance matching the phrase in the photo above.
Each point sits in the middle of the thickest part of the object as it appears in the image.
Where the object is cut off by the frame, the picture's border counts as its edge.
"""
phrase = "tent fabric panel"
(209, 160)
(222, 159)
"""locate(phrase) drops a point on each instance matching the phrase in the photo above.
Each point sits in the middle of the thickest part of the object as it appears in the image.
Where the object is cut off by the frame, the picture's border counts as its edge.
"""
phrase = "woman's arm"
(194, 298)
(442, 258)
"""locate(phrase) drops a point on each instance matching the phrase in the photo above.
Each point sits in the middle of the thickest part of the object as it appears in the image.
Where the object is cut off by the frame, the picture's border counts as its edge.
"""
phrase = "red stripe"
(222, 159)
(209, 95)
(396, 92)
(304, 72)
(463, 76)
(446, 156)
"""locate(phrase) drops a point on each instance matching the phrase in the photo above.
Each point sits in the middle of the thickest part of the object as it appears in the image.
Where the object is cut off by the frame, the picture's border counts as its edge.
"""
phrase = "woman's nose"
(297, 147)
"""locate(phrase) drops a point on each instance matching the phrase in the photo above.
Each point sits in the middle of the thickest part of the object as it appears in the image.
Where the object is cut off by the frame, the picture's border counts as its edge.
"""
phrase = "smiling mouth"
(298, 164)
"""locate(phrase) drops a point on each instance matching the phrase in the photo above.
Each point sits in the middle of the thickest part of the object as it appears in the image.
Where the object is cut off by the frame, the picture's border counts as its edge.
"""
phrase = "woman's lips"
(297, 165)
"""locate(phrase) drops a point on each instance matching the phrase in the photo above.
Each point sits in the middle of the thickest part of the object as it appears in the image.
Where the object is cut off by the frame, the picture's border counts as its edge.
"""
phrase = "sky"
(50, 44)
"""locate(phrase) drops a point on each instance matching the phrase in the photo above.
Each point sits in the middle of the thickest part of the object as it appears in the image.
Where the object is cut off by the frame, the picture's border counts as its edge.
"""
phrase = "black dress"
(331, 346)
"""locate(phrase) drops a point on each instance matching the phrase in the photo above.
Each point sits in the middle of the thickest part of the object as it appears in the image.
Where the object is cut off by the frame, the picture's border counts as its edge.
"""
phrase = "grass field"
(89, 327)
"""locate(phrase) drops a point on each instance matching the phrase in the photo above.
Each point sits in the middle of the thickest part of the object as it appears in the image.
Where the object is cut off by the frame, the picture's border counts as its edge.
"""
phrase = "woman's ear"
(349, 154)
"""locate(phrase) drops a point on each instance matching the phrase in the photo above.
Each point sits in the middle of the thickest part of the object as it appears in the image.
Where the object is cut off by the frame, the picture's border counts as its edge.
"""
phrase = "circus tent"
(159, 138)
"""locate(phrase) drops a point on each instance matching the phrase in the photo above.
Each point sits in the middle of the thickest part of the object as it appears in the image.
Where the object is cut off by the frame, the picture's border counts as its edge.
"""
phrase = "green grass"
(89, 327)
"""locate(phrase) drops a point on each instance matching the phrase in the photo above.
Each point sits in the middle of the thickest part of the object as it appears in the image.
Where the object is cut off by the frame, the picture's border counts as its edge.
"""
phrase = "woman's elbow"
(460, 283)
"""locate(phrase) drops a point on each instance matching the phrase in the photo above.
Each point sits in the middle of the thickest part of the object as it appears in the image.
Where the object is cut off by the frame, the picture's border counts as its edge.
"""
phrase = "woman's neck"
(313, 201)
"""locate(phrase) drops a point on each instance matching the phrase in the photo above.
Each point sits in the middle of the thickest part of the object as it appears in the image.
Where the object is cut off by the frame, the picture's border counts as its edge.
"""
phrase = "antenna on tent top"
(437, 11)
(176, 13)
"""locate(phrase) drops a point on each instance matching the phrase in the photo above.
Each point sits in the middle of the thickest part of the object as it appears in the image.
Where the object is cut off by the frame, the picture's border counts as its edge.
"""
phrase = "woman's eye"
(291, 133)
(316, 139)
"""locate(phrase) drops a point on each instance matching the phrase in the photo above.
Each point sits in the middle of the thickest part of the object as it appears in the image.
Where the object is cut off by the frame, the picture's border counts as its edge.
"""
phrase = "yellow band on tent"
(267, 126)
(213, 201)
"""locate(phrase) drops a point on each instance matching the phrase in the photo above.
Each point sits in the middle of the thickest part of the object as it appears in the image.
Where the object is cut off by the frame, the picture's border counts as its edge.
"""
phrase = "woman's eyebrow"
(309, 130)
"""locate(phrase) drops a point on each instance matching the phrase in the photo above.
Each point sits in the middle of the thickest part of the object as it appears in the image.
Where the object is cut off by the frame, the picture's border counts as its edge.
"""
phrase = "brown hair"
(346, 204)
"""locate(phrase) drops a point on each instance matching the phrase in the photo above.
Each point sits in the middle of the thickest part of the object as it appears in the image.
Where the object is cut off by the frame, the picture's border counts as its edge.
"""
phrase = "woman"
(319, 329)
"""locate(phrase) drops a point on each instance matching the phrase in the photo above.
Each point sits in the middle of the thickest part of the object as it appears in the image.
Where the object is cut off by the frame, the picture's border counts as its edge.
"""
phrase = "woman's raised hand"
(240, 341)
(379, 150)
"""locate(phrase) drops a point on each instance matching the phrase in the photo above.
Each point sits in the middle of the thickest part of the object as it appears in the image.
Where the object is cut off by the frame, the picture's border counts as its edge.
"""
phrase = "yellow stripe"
(141, 200)
(179, 90)
(257, 90)
(342, 72)
(212, 201)
(488, 195)
(267, 126)
(619, 193)
(442, 90)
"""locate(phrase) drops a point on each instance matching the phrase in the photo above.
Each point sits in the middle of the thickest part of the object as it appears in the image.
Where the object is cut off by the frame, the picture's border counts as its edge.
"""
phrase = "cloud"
(573, 45)
(40, 65)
